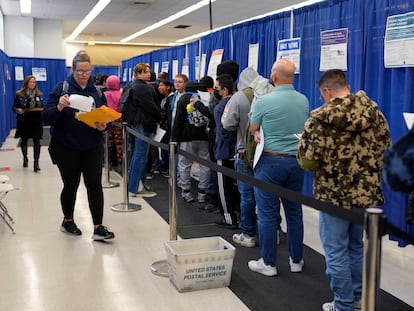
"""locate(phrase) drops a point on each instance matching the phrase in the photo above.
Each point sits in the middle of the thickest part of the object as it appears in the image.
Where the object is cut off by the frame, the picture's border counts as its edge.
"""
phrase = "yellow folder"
(103, 114)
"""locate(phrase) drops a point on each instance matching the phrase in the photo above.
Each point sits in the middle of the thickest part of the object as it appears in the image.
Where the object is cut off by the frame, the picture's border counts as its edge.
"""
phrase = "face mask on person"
(217, 94)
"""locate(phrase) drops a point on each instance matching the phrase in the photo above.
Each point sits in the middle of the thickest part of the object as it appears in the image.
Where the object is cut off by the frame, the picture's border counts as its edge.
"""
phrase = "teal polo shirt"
(282, 114)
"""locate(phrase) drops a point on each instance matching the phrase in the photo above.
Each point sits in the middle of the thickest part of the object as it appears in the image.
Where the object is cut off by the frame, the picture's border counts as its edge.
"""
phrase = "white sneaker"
(187, 196)
(244, 239)
(260, 267)
(329, 306)
(296, 266)
(146, 193)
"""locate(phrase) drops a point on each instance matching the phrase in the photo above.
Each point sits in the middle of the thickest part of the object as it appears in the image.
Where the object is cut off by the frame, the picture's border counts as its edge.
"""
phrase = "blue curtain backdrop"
(55, 71)
(392, 88)
(106, 70)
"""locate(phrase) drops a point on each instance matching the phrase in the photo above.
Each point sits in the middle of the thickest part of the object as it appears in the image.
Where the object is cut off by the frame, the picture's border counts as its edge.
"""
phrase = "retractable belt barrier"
(356, 216)
(372, 219)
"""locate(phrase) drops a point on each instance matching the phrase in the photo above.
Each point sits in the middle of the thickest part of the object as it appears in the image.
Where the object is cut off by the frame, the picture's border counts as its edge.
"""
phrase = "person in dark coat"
(28, 105)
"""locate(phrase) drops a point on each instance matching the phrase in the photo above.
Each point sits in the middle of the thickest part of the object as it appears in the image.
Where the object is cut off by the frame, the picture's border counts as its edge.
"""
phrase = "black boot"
(36, 155)
(24, 152)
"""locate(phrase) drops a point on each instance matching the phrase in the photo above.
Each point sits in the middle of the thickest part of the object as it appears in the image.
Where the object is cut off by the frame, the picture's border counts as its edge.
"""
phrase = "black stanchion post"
(107, 183)
(125, 206)
(161, 267)
(372, 258)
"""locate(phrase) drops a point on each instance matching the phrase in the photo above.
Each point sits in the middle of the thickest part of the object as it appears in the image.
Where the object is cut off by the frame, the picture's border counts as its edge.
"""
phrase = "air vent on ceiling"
(182, 26)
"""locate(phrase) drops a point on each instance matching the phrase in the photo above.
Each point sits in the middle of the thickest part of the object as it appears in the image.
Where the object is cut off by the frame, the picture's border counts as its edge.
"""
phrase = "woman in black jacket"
(28, 105)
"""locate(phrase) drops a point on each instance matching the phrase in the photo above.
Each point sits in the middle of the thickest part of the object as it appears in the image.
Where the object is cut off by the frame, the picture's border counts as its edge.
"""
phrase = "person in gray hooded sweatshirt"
(236, 117)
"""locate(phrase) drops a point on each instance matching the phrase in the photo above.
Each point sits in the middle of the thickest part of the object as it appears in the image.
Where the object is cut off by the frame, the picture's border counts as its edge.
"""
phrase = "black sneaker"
(70, 227)
(210, 208)
(223, 224)
(101, 233)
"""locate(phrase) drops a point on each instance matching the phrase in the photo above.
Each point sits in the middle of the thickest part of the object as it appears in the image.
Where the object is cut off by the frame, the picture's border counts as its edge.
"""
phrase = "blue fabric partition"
(55, 72)
(392, 88)
(7, 117)
(105, 70)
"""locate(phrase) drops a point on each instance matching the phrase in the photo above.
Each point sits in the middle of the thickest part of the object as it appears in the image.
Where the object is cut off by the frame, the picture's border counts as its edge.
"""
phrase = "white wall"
(70, 51)
(48, 38)
(29, 37)
(1, 31)
(18, 36)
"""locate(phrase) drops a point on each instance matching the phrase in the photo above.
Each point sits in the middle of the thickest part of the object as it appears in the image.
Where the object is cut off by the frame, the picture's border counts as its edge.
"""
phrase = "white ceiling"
(122, 18)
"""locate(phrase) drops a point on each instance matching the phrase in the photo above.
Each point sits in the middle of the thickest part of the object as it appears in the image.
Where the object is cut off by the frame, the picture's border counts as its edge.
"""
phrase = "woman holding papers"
(77, 148)
(27, 105)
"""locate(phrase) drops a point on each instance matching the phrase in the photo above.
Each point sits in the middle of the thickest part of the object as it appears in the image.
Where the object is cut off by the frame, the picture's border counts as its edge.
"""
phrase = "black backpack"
(127, 107)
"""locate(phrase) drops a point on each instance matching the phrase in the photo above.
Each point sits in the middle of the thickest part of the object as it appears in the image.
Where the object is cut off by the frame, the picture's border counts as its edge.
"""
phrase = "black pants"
(73, 163)
(229, 194)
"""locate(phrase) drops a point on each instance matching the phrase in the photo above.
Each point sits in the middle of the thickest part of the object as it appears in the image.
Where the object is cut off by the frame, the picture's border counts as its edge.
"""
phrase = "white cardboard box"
(200, 263)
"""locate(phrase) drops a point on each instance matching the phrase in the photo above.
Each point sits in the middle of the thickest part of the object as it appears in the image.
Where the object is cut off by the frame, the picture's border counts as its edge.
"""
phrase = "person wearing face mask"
(231, 68)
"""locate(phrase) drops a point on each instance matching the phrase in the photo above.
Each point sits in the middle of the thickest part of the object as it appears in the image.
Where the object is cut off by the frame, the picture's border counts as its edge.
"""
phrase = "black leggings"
(73, 163)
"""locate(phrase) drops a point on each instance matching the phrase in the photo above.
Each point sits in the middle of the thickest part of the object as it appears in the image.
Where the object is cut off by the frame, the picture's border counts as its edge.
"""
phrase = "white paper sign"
(290, 49)
(39, 74)
(399, 41)
(80, 102)
(334, 49)
(215, 60)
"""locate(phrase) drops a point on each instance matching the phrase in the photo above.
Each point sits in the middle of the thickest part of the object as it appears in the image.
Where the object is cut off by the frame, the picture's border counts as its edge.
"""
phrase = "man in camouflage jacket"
(344, 142)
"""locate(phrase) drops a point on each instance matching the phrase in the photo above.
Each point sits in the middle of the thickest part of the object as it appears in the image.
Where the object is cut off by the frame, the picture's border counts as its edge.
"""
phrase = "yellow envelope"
(103, 114)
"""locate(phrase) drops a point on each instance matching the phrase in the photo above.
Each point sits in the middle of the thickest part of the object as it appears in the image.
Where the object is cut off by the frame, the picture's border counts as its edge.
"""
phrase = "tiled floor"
(42, 269)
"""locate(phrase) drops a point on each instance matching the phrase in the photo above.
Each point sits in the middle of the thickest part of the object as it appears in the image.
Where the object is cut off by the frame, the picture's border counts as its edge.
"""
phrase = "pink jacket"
(113, 95)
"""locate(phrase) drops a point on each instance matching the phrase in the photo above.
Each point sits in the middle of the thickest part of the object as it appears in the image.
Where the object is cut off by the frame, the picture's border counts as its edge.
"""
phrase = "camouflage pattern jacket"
(344, 142)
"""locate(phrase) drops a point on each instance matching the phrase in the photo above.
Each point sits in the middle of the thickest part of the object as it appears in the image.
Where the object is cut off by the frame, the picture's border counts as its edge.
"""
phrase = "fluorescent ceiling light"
(169, 19)
(292, 7)
(25, 6)
(126, 43)
(89, 18)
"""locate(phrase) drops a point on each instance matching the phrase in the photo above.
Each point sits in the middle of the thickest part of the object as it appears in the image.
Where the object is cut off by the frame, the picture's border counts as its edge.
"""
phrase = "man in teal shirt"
(281, 114)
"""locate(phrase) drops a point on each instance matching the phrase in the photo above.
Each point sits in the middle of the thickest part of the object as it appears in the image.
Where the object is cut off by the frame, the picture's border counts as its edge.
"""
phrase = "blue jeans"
(284, 172)
(248, 216)
(343, 247)
(138, 162)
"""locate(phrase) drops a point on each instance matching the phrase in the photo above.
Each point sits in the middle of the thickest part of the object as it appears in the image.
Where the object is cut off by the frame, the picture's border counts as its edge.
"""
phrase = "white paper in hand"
(409, 119)
(204, 97)
(80, 102)
(259, 149)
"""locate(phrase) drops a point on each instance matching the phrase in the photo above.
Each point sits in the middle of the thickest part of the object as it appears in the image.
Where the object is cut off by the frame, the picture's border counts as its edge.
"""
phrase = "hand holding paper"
(102, 114)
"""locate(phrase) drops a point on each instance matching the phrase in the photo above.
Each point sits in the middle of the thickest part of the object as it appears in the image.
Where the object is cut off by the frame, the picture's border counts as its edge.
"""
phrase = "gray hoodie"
(236, 113)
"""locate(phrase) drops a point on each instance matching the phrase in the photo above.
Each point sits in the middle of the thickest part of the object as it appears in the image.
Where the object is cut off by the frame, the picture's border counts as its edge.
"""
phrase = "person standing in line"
(180, 82)
(27, 105)
(190, 133)
(343, 143)
(281, 114)
(77, 148)
(146, 115)
(236, 118)
(165, 89)
(113, 98)
(224, 153)
(213, 197)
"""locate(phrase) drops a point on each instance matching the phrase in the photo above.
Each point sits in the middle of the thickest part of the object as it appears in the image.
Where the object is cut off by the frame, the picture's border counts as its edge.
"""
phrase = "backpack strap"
(65, 87)
(248, 91)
